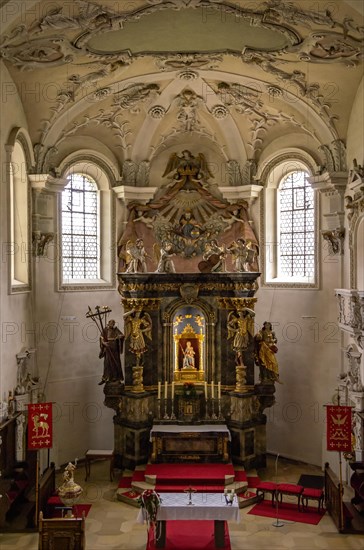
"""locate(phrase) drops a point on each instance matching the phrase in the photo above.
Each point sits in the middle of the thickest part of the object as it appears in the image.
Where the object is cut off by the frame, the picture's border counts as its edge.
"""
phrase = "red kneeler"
(313, 494)
(267, 487)
(290, 489)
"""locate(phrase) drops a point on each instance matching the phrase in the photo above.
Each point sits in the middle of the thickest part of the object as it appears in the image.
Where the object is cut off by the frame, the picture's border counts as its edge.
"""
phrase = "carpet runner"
(287, 512)
(190, 535)
(174, 478)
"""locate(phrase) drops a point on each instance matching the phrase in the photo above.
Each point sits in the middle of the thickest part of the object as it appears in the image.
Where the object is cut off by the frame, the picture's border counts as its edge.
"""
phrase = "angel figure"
(164, 257)
(214, 258)
(252, 253)
(188, 165)
(137, 324)
(240, 326)
(136, 257)
(239, 252)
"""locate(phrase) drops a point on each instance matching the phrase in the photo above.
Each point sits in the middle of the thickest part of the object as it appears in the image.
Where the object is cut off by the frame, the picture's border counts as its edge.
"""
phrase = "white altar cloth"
(205, 506)
(181, 428)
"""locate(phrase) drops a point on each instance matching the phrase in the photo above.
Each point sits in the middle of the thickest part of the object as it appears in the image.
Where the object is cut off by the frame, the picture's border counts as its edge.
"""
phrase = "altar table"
(205, 506)
(190, 443)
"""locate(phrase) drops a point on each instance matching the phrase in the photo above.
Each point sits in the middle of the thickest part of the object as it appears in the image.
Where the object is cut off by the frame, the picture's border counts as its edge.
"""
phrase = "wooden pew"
(61, 533)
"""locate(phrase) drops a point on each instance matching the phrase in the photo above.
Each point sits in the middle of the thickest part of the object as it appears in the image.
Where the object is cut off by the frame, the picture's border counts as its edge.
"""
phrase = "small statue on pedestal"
(265, 354)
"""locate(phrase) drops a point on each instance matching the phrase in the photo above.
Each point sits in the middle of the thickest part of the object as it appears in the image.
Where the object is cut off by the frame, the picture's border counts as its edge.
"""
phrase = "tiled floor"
(111, 525)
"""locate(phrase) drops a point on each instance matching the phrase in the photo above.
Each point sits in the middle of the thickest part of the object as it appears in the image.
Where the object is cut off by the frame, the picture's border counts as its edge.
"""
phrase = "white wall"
(15, 310)
(67, 355)
(70, 369)
(305, 322)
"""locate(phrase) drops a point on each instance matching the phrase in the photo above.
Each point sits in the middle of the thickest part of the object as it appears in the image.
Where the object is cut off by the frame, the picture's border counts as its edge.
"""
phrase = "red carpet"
(287, 512)
(176, 477)
(200, 472)
(190, 535)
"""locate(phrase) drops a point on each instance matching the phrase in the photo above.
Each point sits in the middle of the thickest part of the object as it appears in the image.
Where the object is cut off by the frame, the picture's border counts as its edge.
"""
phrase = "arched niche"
(195, 323)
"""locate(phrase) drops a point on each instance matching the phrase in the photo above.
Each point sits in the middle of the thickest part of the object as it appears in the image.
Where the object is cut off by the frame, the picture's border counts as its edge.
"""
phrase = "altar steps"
(175, 478)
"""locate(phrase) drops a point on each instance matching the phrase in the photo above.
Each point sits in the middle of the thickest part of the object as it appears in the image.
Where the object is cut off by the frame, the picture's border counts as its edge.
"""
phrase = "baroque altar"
(179, 310)
(187, 277)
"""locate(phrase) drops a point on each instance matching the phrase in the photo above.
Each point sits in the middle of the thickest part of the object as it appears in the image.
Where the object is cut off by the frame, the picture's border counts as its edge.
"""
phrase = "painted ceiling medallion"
(188, 31)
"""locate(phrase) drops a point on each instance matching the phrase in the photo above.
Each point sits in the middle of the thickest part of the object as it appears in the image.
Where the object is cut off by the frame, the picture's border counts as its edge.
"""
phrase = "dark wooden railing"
(333, 497)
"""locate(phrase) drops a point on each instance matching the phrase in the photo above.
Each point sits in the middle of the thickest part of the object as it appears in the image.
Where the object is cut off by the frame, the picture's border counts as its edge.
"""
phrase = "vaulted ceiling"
(136, 80)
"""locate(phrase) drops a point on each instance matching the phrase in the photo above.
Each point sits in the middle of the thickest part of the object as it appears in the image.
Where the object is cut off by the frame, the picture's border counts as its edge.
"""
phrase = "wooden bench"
(95, 454)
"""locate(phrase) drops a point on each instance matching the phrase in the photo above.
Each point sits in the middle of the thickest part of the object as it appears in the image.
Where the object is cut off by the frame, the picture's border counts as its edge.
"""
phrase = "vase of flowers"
(150, 501)
(189, 389)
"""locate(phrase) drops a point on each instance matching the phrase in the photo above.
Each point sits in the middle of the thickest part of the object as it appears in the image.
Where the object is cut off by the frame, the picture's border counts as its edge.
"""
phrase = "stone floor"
(111, 525)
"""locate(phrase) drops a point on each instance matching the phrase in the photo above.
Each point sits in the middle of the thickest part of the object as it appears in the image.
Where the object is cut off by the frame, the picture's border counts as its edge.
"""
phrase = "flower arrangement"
(150, 501)
(189, 389)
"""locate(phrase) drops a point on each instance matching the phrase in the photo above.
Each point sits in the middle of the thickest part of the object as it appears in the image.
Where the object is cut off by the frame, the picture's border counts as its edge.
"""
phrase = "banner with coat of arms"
(338, 428)
(40, 430)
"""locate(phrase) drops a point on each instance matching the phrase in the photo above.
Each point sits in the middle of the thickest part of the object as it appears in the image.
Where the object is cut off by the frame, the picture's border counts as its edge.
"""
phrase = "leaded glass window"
(80, 235)
(296, 226)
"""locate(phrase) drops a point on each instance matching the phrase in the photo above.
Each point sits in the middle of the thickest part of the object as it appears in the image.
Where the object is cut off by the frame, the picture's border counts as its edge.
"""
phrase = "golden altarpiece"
(187, 279)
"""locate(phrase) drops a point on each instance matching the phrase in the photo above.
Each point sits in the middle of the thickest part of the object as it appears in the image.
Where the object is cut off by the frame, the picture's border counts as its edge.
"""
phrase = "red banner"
(338, 428)
(40, 426)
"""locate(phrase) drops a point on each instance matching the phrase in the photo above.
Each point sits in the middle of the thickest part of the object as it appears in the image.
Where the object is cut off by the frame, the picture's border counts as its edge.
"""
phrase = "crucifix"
(190, 490)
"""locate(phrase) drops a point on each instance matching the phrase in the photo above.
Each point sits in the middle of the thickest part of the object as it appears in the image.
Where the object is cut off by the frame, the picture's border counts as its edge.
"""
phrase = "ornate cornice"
(47, 182)
(129, 194)
(330, 181)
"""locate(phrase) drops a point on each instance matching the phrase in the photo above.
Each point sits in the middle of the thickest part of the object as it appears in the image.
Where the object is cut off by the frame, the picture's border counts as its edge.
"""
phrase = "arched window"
(296, 227)
(19, 249)
(289, 226)
(80, 229)
(87, 228)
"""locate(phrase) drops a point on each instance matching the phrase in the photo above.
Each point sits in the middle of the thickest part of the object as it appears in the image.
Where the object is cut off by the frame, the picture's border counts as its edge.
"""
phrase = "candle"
(165, 389)
(205, 390)
(219, 390)
(159, 389)
(172, 390)
(212, 390)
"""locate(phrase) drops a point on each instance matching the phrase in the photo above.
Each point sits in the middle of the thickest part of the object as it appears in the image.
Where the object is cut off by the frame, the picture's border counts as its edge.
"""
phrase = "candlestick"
(165, 389)
(173, 416)
(212, 390)
(219, 390)
(159, 389)
(205, 390)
